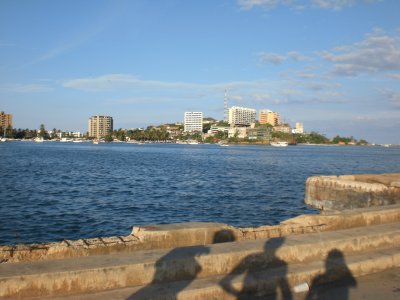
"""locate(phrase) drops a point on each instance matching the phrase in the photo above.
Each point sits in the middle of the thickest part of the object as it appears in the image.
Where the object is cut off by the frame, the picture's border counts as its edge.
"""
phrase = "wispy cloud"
(276, 59)
(376, 53)
(393, 76)
(392, 96)
(110, 82)
(25, 88)
(339, 4)
(296, 4)
(6, 44)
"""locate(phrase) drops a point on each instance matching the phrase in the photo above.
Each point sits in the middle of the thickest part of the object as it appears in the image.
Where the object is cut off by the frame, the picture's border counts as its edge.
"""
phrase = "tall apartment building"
(5, 120)
(269, 117)
(193, 121)
(100, 126)
(241, 116)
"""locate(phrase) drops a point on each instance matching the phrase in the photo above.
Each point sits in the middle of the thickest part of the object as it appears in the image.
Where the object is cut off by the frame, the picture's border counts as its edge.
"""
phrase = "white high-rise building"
(193, 121)
(241, 116)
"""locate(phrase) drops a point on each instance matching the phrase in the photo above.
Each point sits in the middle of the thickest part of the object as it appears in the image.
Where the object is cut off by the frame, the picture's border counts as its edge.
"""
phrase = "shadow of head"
(335, 258)
(274, 244)
(224, 236)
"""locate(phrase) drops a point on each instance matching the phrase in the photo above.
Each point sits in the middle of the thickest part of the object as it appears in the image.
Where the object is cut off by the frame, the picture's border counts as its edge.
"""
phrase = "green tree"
(108, 138)
(43, 132)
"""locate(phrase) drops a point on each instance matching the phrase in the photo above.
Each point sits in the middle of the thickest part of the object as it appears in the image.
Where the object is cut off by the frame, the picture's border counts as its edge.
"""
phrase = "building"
(100, 126)
(215, 129)
(237, 132)
(267, 116)
(299, 128)
(5, 120)
(193, 122)
(259, 133)
(285, 128)
(241, 116)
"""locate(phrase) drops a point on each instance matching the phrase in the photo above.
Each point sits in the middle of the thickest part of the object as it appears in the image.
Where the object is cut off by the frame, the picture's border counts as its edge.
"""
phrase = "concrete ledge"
(144, 268)
(190, 234)
(352, 191)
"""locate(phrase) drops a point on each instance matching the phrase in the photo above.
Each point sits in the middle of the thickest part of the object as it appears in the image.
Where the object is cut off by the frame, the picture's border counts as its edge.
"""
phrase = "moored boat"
(279, 144)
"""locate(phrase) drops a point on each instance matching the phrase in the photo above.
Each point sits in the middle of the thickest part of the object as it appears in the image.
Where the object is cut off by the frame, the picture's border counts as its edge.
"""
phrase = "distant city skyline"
(333, 65)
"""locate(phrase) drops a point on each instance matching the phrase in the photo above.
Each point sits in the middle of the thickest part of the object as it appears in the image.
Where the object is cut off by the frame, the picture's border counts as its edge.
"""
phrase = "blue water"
(55, 191)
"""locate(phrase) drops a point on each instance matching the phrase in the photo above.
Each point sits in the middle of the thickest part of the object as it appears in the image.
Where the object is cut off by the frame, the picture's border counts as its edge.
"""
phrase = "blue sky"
(333, 65)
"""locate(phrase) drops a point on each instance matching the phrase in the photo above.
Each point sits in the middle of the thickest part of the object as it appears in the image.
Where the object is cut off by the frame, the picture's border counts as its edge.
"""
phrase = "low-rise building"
(215, 129)
(237, 132)
(285, 128)
(259, 133)
(299, 128)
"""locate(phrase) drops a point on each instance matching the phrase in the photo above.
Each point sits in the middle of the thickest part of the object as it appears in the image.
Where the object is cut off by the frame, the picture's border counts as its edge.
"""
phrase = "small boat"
(279, 144)
(39, 140)
(95, 142)
(192, 142)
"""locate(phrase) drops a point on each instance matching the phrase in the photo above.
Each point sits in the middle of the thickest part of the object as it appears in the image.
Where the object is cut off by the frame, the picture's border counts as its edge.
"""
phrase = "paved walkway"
(379, 286)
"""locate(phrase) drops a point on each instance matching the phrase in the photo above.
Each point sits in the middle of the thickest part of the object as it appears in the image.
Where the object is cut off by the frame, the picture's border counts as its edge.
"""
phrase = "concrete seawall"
(210, 260)
(196, 233)
(352, 191)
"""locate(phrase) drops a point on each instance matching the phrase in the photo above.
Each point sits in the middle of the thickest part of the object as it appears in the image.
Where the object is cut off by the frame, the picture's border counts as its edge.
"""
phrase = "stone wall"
(189, 234)
(352, 191)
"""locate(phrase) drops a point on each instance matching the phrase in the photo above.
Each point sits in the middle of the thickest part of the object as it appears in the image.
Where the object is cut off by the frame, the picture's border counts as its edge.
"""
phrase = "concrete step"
(98, 273)
(278, 282)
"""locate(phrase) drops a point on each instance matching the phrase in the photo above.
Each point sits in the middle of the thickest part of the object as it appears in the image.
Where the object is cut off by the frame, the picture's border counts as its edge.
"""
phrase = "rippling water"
(55, 191)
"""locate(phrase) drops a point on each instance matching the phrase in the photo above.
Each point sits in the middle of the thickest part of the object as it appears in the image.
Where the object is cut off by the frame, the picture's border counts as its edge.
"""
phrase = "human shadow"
(335, 282)
(178, 269)
(264, 275)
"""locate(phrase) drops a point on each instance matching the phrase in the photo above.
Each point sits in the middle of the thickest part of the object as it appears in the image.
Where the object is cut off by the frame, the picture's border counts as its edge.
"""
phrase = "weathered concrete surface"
(352, 191)
(370, 287)
(140, 268)
(141, 238)
(190, 234)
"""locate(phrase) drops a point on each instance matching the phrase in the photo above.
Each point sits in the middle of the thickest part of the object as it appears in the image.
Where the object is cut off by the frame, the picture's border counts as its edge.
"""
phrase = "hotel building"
(5, 120)
(193, 122)
(241, 116)
(100, 126)
(269, 117)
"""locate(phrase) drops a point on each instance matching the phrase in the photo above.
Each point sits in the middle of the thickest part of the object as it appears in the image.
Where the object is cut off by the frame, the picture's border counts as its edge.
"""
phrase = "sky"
(332, 65)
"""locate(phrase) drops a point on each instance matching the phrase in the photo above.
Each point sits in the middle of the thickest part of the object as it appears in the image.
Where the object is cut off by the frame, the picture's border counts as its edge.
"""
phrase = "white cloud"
(272, 58)
(276, 59)
(116, 81)
(297, 4)
(25, 88)
(339, 4)
(262, 97)
(249, 4)
(376, 53)
(393, 76)
(393, 97)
